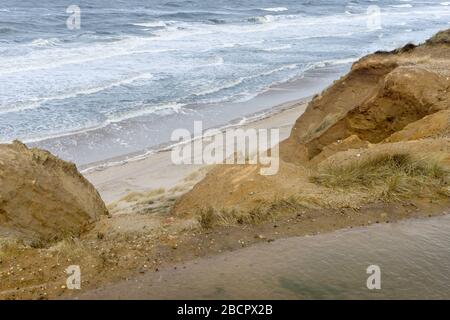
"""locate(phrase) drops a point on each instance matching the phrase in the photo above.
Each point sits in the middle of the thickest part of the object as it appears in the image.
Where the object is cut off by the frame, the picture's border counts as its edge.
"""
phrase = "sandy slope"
(401, 96)
(43, 197)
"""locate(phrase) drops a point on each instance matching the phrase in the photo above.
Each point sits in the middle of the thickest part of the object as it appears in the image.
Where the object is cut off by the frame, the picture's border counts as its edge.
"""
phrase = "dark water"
(136, 69)
(413, 257)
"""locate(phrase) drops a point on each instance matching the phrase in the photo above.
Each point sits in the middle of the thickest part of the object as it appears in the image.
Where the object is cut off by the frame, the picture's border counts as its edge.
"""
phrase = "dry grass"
(385, 177)
(70, 247)
(142, 196)
(391, 175)
(193, 176)
(178, 189)
(10, 248)
(265, 211)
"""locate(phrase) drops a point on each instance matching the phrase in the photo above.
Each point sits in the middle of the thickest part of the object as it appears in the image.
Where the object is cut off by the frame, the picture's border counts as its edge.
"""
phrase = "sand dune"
(401, 96)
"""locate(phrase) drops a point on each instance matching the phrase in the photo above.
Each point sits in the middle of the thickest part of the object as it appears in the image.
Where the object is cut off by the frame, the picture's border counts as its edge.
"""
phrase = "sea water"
(133, 71)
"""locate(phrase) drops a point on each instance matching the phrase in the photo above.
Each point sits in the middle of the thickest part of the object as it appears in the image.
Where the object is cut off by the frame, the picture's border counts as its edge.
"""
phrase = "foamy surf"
(275, 9)
(57, 84)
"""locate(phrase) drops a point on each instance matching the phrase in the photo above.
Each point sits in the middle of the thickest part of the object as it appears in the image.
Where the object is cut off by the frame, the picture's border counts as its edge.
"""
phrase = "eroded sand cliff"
(392, 107)
(43, 198)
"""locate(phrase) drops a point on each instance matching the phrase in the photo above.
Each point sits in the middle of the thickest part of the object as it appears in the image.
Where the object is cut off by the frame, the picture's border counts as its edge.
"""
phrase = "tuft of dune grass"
(385, 177)
(265, 211)
(142, 196)
(70, 247)
(392, 175)
(10, 248)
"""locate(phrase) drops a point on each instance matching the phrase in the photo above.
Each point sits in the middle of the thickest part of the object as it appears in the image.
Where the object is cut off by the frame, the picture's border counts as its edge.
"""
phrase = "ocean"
(131, 72)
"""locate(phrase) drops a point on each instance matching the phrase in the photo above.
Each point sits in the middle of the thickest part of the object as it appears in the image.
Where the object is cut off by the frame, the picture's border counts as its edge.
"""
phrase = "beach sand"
(157, 170)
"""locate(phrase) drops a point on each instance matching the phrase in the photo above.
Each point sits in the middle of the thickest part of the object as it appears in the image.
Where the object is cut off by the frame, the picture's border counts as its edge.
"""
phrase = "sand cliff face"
(382, 94)
(42, 197)
(389, 102)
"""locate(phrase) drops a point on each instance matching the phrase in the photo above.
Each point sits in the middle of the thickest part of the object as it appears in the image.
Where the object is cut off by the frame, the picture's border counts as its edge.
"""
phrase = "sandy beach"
(157, 170)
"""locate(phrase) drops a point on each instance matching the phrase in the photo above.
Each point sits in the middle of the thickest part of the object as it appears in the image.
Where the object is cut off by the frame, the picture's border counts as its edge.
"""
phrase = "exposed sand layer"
(42, 197)
(390, 106)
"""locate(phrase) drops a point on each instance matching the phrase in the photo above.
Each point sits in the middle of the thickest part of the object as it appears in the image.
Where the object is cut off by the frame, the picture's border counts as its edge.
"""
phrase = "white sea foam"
(37, 102)
(164, 40)
(203, 49)
(152, 24)
(240, 80)
(161, 109)
(169, 108)
(45, 42)
(275, 9)
(262, 19)
(402, 5)
(278, 48)
(52, 59)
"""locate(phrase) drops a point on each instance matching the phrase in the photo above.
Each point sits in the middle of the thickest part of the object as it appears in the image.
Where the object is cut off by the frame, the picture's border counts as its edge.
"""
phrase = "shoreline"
(247, 121)
(143, 172)
(142, 135)
(276, 98)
